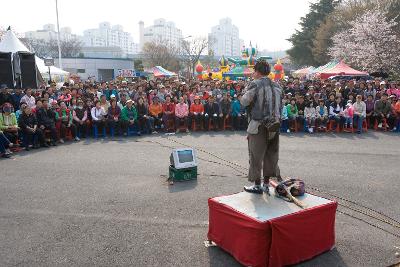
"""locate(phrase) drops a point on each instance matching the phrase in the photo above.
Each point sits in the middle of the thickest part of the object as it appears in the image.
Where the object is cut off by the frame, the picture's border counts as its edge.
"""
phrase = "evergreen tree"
(301, 53)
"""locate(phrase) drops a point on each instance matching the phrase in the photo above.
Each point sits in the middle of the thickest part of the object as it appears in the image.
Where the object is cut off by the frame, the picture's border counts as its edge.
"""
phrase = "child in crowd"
(292, 111)
(321, 114)
(309, 116)
(348, 115)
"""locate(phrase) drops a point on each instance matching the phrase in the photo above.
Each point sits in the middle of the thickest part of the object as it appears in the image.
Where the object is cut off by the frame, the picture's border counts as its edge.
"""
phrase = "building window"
(80, 70)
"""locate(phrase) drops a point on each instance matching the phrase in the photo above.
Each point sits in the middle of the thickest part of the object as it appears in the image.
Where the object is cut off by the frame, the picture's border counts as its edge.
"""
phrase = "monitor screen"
(185, 156)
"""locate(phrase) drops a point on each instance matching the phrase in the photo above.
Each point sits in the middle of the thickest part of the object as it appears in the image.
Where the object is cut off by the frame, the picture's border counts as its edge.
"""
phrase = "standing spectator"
(196, 112)
(8, 123)
(128, 116)
(382, 109)
(309, 116)
(181, 114)
(46, 120)
(360, 112)
(80, 116)
(28, 98)
(155, 112)
(392, 114)
(98, 116)
(32, 134)
(64, 121)
(104, 103)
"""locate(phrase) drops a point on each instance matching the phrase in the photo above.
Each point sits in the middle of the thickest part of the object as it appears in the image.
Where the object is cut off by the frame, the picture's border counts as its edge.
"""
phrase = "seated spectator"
(284, 117)
(301, 105)
(80, 116)
(370, 105)
(104, 103)
(113, 117)
(168, 111)
(46, 118)
(397, 112)
(212, 111)
(98, 116)
(18, 113)
(128, 116)
(392, 115)
(8, 123)
(32, 134)
(348, 115)
(321, 114)
(16, 97)
(5, 145)
(243, 121)
(144, 120)
(196, 112)
(382, 109)
(156, 113)
(225, 109)
(64, 121)
(235, 113)
(292, 110)
(181, 114)
(28, 98)
(360, 112)
(309, 116)
(336, 112)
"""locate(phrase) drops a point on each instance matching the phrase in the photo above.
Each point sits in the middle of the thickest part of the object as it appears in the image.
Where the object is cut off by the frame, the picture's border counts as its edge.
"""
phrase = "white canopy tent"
(11, 43)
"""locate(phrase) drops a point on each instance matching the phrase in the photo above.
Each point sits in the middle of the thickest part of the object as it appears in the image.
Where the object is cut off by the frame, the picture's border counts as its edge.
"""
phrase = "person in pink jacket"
(348, 115)
(181, 114)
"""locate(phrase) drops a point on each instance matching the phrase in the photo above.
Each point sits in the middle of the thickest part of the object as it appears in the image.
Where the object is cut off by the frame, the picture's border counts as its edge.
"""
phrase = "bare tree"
(42, 48)
(192, 50)
(160, 54)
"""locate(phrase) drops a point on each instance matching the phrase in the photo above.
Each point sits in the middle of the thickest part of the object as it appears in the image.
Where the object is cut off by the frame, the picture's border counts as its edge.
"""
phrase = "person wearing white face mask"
(80, 119)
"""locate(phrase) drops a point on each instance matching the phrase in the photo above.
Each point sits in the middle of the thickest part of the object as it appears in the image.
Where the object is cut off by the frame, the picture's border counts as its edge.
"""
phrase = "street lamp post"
(58, 38)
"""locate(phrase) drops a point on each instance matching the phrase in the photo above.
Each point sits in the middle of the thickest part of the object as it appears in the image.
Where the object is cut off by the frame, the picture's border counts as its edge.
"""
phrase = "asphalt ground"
(107, 202)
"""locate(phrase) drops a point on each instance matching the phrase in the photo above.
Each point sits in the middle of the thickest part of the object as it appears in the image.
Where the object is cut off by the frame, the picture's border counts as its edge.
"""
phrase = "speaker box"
(26, 69)
(6, 70)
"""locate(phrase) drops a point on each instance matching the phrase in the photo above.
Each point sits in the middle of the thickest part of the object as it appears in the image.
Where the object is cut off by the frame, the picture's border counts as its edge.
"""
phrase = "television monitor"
(182, 158)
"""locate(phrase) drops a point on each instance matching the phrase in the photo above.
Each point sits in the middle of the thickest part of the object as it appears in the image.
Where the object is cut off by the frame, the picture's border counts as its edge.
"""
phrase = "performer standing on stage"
(263, 100)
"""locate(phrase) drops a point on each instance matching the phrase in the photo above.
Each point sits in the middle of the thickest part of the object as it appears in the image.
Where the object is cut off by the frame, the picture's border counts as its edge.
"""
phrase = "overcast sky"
(267, 23)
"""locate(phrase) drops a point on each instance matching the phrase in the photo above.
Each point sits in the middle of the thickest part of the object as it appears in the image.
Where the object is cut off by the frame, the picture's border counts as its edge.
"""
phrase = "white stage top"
(263, 207)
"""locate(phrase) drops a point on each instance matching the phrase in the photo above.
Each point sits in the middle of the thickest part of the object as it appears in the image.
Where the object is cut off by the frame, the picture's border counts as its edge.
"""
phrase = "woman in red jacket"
(196, 112)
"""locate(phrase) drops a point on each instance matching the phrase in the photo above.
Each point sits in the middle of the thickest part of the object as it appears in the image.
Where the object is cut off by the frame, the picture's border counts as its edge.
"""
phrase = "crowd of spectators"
(48, 116)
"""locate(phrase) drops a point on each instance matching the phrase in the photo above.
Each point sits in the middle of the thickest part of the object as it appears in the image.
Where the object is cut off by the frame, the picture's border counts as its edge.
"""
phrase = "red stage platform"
(261, 230)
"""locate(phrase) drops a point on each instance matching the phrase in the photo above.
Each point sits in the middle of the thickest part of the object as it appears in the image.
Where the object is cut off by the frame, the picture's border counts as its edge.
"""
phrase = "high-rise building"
(224, 39)
(162, 31)
(49, 33)
(110, 36)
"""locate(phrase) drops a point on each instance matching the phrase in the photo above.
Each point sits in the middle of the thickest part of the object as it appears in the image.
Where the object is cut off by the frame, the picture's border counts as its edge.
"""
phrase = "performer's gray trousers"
(263, 154)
